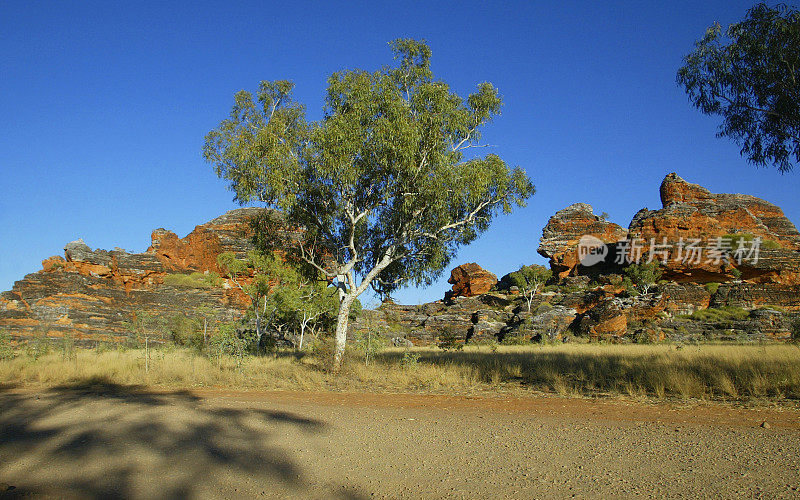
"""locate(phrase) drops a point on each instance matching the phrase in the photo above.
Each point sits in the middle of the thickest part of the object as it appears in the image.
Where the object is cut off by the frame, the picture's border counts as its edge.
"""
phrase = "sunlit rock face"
(469, 280)
(95, 294)
(564, 230)
(591, 301)
(692, 213)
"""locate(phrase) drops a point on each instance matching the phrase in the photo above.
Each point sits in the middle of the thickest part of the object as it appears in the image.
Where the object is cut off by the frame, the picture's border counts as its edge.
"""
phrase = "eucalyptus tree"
(530, 279)
(258, 275)
(749, 74)
(386, 186)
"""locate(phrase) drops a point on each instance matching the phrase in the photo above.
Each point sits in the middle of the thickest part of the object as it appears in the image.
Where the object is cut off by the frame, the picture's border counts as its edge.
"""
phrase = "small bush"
(449, 340)
(770, 245)
(194, 280)
(38, 346)
(516, 340)
(712, 287)
(185, 331)
(370, 343)
(410, 360)
(720, 315)
(6, 350)
(732, 241)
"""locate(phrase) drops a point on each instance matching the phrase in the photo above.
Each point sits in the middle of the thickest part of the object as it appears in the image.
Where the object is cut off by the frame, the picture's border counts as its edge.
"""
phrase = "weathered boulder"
(691, 213)
(469, 280)
(561, 235)
(606, 321)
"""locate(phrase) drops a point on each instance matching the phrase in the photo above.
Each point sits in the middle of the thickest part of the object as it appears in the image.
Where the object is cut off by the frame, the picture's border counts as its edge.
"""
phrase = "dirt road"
(122, 442)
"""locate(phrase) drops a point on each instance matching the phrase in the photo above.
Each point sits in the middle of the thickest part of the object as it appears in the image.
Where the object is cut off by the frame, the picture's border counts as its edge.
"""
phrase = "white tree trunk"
(341, 330)
(302, 334)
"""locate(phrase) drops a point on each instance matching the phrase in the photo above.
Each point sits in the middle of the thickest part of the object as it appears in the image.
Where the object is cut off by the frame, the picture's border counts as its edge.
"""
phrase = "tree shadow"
(98, 439)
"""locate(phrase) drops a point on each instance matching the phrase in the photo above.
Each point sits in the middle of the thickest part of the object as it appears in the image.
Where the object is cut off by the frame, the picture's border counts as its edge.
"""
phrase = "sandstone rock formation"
(469, 280)
(94, 294)
(692, 213)
(593, 302)
(561, 235)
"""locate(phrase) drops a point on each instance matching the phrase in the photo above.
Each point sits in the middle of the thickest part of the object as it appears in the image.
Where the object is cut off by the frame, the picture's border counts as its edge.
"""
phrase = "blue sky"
(105, 106)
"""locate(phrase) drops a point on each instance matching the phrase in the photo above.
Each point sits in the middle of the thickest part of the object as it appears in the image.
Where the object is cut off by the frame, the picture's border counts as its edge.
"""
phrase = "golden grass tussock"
(718, 372)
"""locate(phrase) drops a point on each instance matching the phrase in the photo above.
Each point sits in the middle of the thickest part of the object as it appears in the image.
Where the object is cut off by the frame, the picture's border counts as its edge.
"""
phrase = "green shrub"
(720, 314)
(6, 349)
(410, 360)
(770, 245)
(370, 343)
(732, 241)
(185, 331)
(712, 287)
(39, 345)
(643, 276)
(449, 340)
(68, 347)
(194, 280)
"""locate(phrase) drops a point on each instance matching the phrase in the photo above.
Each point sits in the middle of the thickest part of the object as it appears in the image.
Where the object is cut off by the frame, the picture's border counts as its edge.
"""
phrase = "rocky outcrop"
(692, 213)
(563, 232)
(592, 300)
(469, 280)
(94, 294)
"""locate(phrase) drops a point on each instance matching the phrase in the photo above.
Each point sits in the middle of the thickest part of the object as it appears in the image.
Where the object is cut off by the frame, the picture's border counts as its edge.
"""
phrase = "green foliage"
(748, 74)
(712, 287)
(230, 340)
(259, 275)
(516, 340)
(370, 343)
(796, 330)
(530, 279)
(37, 346)
(68, 347)
(770, 307)
(410, 360)
(720, 314)
(6, 349)
(736, 273)
(185, 331)
(382, 183)
(140, 326)
(449, 340)
(770, 245)
(209, 279)
(644, 275)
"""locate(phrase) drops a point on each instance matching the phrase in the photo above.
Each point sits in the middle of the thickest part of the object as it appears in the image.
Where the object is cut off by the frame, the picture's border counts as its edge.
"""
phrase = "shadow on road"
(99, 439)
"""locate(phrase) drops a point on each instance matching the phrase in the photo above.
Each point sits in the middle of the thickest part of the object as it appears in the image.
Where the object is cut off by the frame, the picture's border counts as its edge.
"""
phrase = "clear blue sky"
(105, 106)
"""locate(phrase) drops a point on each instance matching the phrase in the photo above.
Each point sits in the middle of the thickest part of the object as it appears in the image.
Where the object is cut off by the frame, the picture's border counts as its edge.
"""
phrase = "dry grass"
(718, 372)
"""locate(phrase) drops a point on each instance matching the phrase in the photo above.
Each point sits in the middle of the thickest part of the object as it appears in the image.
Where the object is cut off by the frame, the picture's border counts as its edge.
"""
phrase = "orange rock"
(561, 235)
(691, 212)
(53, 263)
(469, 280)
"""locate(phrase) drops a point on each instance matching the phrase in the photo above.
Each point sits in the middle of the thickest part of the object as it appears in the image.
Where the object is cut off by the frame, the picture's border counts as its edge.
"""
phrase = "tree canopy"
(530, 279)
(384, 186)
(748, 74)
